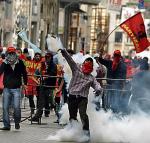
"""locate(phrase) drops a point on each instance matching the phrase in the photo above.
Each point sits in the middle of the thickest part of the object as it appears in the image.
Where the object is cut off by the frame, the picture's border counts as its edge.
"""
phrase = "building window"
(35, 9)
(118, 37)
(128, 40)
(41, 8)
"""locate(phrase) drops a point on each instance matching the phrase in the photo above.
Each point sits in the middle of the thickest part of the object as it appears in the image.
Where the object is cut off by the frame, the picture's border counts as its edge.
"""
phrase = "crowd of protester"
(43, 78)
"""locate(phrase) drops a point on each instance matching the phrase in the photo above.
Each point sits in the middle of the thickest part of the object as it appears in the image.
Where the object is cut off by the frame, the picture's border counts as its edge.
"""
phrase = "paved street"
(30, 133)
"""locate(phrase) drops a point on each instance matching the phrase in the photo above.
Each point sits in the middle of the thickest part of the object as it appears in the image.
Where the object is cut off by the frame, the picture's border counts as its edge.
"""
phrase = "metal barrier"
(116, 94)
(41, 78)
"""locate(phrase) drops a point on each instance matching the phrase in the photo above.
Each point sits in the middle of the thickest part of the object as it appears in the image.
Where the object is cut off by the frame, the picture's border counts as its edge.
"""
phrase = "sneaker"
(17, 126)
(56, 122)
(5, 128)
(34, 119)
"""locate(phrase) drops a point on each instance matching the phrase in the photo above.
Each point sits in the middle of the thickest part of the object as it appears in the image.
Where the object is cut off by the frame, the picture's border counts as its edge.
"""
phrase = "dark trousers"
(31, 101)
(76, 103)
(43, 102)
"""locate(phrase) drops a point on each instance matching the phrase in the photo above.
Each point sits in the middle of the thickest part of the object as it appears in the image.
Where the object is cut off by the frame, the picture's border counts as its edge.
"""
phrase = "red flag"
(135, 28)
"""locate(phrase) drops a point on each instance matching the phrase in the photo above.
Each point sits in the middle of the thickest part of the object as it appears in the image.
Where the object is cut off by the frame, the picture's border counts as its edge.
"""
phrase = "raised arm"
(69, 60)
(106, 63)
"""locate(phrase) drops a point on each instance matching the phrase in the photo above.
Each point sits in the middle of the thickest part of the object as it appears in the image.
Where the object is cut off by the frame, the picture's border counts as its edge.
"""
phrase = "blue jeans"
(11, 97)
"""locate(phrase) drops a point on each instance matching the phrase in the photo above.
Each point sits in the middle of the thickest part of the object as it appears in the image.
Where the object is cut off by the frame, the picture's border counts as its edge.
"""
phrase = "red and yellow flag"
(135, 28)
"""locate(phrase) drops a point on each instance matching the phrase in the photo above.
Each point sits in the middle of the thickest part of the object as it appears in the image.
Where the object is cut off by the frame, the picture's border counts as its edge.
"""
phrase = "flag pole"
(103, 44)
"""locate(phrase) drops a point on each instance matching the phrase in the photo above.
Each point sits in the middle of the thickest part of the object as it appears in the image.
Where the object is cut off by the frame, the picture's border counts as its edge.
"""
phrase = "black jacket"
(51, 71)
(119, 73)
(49, 78)
(13, 78)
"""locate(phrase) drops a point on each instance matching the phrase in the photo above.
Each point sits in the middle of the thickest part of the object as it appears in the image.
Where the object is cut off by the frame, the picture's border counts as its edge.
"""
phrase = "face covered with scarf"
(116, 59)
(11, 56)
(87, 66)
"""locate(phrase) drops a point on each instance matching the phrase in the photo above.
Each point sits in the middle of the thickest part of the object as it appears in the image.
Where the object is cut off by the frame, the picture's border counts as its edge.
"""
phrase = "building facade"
(36, 17)
(7, 22)
(49, 19)
(87, 25)
(77, 25)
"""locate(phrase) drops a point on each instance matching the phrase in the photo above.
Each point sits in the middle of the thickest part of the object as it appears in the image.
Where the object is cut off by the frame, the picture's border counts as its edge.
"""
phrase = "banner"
(23, 35)
(135, 28)
(31, 67)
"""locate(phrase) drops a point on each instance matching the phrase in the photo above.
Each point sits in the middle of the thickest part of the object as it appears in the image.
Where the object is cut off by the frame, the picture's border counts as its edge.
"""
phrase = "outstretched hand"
(62, 51)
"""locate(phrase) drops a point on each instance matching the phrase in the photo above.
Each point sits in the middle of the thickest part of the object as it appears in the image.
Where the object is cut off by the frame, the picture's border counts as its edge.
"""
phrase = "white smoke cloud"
(64, 115)
(72, 132)
(104, 126)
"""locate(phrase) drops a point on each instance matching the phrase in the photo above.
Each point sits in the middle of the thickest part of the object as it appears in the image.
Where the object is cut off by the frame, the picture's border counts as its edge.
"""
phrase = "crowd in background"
(46, 81)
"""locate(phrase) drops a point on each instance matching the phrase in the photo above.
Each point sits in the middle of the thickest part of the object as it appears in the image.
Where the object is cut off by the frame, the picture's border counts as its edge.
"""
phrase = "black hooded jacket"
(119, 73)
(51, 70)
(13, 78)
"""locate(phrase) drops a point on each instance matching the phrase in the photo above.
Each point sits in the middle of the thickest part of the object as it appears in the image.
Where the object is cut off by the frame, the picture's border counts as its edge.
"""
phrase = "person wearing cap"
(14, 71)
(79, 86)
(116, 71)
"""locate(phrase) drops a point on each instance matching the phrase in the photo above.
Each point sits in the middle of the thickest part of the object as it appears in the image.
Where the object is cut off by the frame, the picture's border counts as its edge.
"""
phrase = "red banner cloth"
(135, 28)
(31, 67)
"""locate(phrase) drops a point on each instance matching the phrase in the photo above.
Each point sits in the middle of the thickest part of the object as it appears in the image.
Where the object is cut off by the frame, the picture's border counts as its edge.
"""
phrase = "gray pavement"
(30, 133)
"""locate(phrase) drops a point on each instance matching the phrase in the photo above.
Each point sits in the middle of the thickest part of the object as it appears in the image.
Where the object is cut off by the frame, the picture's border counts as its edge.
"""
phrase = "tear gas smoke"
(104, 126)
